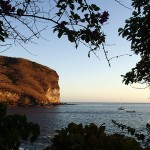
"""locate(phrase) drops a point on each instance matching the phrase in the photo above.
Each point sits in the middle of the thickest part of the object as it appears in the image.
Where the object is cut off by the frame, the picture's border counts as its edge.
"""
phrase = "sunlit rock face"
(24, 82)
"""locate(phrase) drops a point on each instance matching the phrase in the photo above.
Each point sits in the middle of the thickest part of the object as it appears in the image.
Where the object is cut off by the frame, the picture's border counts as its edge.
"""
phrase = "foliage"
(91, 137)
(144, 137)
(137, 30)
(132, 131)
(64, 15)
(85, 28)
(13, 128)
(3, 33)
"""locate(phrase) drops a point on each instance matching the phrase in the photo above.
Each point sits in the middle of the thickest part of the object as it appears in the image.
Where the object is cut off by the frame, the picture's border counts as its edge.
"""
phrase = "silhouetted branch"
(105, 52)
(120, 56)
(9, 46)
(123, 5)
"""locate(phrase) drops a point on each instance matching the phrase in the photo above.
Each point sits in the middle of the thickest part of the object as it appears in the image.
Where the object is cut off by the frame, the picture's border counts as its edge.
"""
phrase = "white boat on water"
(130, 111)
(121, 108)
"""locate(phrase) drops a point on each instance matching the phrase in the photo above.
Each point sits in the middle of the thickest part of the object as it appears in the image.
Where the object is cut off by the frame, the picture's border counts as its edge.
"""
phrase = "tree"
(64, 15)
(137, 30)
(84, 28)
(13, 128)
(78, 137)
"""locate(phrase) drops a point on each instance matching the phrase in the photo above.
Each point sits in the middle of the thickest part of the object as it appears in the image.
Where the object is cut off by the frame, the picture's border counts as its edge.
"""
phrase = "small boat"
(130, 111)
(121, 108)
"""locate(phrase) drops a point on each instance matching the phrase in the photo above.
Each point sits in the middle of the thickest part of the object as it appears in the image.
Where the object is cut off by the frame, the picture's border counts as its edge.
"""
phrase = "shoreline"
(29, 105)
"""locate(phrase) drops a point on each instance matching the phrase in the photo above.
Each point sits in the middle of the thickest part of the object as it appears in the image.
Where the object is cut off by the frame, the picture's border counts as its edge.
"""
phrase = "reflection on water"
(57, 117)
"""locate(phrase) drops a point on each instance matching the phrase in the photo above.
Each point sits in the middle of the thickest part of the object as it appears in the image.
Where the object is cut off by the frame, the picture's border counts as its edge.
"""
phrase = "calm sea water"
(57, 117)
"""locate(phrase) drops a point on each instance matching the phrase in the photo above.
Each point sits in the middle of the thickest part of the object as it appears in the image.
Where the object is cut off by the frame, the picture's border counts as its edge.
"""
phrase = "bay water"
(52, 118)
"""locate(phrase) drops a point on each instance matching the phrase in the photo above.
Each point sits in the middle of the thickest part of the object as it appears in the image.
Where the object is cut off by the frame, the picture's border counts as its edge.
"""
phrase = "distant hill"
(24, 82)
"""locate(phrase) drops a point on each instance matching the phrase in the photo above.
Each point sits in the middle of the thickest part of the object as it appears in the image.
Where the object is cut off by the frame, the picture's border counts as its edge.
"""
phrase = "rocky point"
(23, 82)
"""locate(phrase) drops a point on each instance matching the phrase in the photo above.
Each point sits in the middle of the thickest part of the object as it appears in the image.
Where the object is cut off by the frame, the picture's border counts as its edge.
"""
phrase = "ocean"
(54, 118)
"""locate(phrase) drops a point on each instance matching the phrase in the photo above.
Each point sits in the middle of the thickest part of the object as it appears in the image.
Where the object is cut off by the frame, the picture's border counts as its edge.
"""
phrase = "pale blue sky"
(83, 78)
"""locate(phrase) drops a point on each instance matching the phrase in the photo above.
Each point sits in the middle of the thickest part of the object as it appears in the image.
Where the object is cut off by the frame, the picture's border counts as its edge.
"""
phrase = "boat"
(121, 108)
(130, 111)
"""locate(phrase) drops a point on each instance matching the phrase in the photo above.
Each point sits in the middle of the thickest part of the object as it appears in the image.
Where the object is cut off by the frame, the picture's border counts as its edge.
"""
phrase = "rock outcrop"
(24, 82)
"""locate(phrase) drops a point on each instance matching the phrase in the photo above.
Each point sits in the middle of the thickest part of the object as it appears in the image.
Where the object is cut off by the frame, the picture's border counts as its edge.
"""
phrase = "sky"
(83, 79)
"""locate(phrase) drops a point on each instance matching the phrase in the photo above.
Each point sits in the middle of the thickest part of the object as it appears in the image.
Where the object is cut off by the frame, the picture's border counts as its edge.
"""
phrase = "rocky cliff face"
(27, 83)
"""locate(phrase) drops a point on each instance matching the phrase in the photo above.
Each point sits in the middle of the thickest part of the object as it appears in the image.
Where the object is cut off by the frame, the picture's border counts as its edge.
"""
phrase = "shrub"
(8, 61)
(91, 137)
(12, 76)
(13, 128)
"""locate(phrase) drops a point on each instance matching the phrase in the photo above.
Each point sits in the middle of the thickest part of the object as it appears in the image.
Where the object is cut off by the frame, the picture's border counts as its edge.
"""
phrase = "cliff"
(24, 82)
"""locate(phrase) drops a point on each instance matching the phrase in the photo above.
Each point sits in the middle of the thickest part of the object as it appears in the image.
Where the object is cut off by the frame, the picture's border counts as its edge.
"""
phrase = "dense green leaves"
(137, 30)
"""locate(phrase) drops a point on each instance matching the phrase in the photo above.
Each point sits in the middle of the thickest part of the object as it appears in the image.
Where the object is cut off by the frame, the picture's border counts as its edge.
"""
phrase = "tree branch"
(123, 4)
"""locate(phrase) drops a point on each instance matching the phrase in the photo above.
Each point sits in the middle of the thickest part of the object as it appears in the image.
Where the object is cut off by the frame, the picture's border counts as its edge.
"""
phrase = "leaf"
(89, 54)
(76, 16)
(55, 29)
(72, 6)
(80, 2)
(86, 15)
(95, 7)
(60, 33)
(59, 13)
(1, 38)
(71, 38)
(120, 30)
